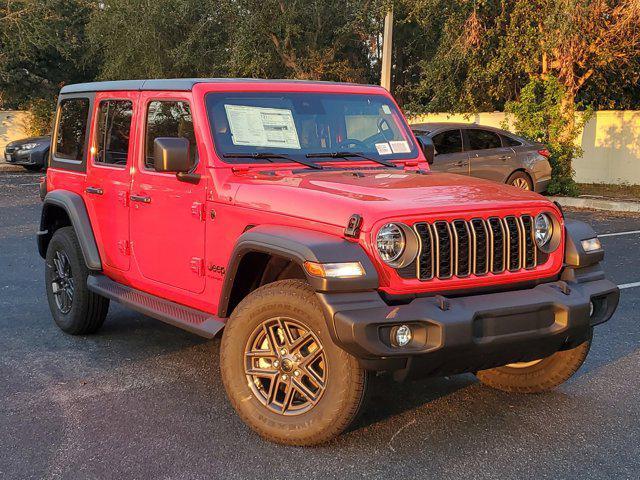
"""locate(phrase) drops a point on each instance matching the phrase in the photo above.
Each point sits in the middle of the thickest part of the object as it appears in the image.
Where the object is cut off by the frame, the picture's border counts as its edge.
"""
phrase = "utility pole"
(387, 41)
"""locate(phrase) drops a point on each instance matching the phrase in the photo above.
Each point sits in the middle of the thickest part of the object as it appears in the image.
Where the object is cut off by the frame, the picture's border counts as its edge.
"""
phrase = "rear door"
(450, 156)
(109, 175)
(167, 215)
(488, 157)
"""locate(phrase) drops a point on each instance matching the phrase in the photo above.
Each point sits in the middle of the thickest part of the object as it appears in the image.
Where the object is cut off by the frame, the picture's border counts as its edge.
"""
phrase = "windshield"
(306, 125)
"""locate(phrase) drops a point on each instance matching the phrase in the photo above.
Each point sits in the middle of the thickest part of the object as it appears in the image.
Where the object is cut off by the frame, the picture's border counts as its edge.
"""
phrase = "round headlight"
(390, 242)
(543, 229)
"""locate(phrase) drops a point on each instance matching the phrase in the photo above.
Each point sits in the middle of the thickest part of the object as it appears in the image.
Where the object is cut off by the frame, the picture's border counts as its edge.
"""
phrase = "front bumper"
(466, 334)
(28, 157)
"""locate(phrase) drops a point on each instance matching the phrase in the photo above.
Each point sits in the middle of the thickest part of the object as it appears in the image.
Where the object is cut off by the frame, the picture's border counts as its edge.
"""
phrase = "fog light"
(401, 336)
(591, 245)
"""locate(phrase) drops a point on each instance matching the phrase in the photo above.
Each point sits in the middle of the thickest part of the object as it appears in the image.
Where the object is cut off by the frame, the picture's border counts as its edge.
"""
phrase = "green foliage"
(538, 115)
(42, 47)
(42, 111)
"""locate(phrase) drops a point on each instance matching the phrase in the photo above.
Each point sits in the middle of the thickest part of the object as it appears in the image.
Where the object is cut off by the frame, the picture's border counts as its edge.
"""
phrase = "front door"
(167, 215)
(109, 175)
(449, 154)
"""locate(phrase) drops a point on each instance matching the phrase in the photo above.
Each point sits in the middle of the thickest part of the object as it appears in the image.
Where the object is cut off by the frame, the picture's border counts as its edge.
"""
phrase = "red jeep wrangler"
(302, 218)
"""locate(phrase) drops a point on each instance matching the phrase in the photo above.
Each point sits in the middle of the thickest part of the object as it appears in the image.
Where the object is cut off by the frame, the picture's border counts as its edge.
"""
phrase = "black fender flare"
(300, 245)
(76, 210)
(574, 254)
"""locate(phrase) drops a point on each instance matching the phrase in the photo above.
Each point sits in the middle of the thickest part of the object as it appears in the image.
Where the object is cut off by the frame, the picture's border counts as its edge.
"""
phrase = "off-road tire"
(520, 176)
(546, 375)
(346, 381)
(88, 309)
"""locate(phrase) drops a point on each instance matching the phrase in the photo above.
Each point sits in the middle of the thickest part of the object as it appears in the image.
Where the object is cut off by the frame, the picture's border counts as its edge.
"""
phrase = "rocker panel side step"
(195, 321)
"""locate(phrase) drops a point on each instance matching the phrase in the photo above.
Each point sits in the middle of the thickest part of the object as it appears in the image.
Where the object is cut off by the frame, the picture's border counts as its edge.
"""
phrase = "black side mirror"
(171, 154)
(428, 148)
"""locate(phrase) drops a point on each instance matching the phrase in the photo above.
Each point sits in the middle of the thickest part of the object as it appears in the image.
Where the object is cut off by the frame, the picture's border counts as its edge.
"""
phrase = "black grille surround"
(462, 248)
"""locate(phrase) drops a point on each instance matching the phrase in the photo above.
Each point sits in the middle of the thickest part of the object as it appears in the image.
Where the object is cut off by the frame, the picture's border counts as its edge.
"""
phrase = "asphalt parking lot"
(141, 399)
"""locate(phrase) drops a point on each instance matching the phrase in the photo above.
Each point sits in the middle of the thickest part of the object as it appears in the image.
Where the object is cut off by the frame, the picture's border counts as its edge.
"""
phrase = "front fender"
(300, 245)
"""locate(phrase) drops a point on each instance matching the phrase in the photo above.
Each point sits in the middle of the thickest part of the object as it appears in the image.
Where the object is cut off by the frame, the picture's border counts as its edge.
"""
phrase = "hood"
(333, 196)
(22, 141)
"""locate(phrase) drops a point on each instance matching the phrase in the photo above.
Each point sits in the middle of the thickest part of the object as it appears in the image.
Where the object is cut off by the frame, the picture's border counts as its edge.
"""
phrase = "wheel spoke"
(305, 392)
(314, 376)
(261, 372)
(300, 342)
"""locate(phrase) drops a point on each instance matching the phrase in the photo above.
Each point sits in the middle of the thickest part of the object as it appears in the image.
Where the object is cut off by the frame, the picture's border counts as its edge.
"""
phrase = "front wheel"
(538, 375)
(282, 372)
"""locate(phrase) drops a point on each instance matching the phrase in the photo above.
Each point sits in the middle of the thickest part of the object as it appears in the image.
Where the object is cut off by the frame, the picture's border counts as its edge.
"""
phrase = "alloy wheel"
(521, 183)
(285, 366)
(62, 285)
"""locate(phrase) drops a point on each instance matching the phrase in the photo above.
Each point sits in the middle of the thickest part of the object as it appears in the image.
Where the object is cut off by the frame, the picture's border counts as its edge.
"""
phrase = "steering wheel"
(351, 142)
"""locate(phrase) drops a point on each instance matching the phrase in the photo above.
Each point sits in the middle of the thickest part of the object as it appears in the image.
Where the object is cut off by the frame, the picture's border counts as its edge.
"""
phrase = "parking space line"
(630, 232)
(629, 285)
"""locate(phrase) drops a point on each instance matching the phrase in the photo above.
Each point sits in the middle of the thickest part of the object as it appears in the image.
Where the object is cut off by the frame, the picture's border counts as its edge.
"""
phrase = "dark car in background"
(31, 153)
(487, 152)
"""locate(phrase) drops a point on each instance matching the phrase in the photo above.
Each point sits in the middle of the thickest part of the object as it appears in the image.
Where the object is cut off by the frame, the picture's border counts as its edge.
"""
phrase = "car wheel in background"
(520, 180)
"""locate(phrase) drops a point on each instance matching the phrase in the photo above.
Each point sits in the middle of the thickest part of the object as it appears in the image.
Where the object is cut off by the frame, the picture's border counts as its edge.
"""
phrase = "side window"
(510, 142)
(448, 142)
(72, 127)
(169, 119)
(483, 139)
(113, 132)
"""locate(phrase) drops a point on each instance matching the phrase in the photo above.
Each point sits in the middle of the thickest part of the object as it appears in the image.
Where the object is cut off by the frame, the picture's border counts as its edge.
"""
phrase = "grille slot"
(475, 247)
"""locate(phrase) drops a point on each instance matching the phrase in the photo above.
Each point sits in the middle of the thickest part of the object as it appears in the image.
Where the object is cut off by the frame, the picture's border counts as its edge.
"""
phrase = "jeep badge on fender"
(333, 251)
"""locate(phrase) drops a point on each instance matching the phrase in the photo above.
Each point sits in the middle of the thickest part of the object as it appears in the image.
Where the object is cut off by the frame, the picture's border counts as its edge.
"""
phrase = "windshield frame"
(363, 91)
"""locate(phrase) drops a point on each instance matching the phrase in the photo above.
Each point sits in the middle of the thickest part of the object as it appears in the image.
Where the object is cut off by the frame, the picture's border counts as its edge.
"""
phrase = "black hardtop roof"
(174, 84)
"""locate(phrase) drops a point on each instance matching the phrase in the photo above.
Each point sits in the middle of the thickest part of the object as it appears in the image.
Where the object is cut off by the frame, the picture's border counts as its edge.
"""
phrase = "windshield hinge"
(353, 226)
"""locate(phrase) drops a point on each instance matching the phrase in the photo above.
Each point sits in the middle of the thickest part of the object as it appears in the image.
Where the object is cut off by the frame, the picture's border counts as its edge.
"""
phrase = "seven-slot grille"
(474, 247)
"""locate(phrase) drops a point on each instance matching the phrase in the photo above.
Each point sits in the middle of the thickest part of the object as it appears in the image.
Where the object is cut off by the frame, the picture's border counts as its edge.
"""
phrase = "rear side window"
(510, 142)
(113, 132)
(448, 142)
(169, 119)
(483, 139)
(72, 127)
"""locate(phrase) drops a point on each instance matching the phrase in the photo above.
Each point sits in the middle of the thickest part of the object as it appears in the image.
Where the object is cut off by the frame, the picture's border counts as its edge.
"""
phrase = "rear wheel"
(520, 180)
(538, 375)
(282, 372)
(75, 309)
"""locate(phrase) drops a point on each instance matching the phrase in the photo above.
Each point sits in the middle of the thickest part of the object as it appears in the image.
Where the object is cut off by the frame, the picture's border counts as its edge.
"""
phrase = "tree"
(315, 40)
(160, 38)
(42, 46)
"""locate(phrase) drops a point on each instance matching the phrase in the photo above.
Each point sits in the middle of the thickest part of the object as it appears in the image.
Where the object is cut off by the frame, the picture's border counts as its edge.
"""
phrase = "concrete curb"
(5, 167)
(597, 204)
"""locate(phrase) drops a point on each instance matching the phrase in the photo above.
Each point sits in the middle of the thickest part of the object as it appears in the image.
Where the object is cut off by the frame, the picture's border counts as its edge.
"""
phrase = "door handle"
(504, 157)
(94, 190)
(140, 198)
(461, 164)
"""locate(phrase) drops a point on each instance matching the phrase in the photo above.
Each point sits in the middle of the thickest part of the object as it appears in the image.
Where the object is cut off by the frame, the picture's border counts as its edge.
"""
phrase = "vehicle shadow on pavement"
(387, 398)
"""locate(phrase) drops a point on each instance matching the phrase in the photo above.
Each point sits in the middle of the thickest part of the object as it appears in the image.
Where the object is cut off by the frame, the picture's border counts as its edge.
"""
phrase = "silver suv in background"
(487, 152)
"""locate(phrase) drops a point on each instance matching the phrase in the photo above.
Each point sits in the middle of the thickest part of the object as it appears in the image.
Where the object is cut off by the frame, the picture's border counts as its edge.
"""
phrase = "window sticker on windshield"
(399, 146)
(383, 148)
(262, 127)
(386, 109)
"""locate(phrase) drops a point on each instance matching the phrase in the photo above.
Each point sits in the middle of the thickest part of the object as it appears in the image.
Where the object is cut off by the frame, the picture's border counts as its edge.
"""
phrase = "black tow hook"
(443, 303)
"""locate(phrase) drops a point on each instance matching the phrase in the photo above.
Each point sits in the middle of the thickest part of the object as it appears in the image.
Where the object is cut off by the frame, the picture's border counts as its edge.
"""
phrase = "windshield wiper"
(348, 155)
(270, 157)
